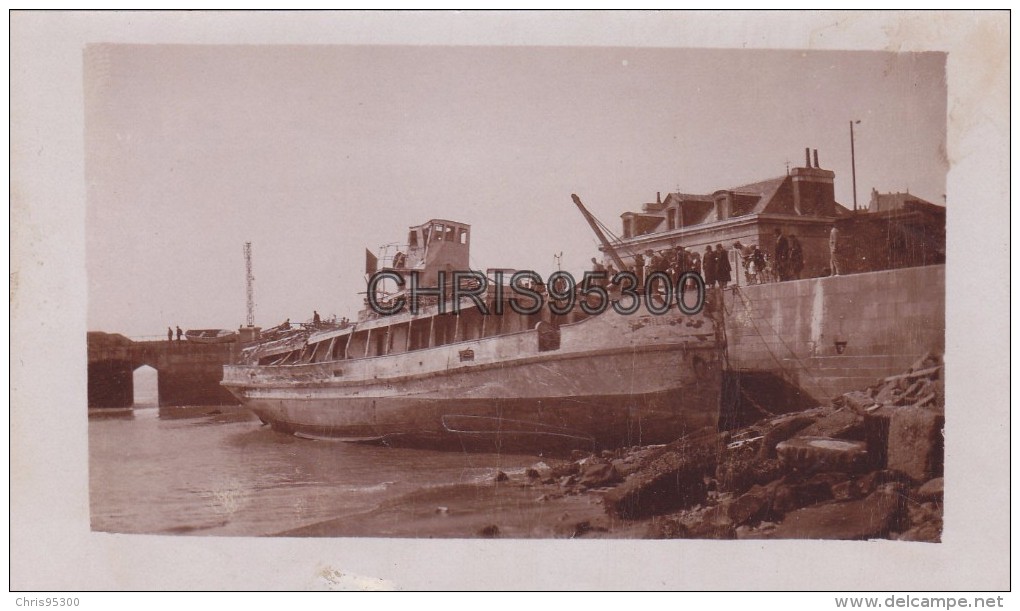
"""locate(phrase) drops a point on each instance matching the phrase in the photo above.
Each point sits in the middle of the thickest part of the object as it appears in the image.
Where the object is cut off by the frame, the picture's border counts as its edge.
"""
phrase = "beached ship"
(555, 376)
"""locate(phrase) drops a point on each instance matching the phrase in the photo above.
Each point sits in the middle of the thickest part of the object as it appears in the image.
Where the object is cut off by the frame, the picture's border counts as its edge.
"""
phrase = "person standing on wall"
(796, 258)
(708, 266)
(833, 245)
(169, 334)
(179, 333)
(782, 256)
(639, 271)
(723, 268)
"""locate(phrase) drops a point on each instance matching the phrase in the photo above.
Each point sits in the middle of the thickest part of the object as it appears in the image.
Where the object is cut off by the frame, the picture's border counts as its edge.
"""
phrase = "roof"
(765, 190)
(881, 202)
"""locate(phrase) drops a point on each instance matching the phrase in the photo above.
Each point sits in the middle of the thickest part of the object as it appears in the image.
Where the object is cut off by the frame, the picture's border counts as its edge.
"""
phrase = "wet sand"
(495, 510)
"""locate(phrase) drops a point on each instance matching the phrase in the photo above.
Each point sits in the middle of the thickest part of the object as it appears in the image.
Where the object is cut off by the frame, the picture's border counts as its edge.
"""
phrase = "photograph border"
(52, 546)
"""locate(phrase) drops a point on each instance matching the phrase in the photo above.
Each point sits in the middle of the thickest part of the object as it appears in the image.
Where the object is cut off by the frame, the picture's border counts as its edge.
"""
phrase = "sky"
(315, 153)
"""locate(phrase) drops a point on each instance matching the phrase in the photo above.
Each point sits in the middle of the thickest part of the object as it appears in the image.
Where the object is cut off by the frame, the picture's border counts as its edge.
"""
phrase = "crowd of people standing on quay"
(784, 261)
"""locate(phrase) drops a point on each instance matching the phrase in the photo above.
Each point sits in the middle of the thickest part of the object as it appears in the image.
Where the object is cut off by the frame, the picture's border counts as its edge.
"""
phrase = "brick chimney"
(813, 190)
(723, 204)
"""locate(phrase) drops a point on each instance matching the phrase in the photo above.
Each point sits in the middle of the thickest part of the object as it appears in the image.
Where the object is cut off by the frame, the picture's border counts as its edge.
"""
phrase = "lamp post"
(853, 161)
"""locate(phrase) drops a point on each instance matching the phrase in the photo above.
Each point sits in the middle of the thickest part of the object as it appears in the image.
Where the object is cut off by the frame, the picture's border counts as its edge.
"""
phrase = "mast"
(250, 278)
(598, 232)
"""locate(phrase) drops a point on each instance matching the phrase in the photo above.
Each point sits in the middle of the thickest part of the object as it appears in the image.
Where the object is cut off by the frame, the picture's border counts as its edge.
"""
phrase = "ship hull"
(612, 382)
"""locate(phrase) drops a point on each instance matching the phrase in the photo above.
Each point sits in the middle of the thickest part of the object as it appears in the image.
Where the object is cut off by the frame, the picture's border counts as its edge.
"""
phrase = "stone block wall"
(883, 321)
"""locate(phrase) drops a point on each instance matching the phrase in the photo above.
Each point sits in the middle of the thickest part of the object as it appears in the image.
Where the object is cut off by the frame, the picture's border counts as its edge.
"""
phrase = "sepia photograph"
(407, 291)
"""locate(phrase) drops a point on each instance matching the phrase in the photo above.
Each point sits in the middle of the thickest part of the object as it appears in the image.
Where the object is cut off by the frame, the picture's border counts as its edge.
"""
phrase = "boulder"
(867, 518)
(625, 467)
(928, 532)
(598, 475)
(781, 430)
(907, 439)
(570, 468)
(863, 485)
(816, 454)
(840, 424)
(711, 523)
(749, 507)
(674, 479)
(932, 490)
(790, 496)
(709, 530)
(857, 401)
(740, 469)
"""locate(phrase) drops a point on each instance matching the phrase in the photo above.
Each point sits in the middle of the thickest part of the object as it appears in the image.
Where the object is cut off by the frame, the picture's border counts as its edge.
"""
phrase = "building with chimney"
(802, 203)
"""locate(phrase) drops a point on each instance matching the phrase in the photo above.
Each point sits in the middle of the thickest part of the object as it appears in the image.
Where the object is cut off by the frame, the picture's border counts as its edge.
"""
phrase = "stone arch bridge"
(189, 373)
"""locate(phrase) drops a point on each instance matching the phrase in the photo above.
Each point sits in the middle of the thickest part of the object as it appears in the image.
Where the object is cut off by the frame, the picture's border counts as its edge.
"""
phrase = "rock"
(840, 424)
(598, 475)
(625, 466)
(845, 491)
(674, 479)
(750, 507)
(584, 527)
(792, 496)
(711, 523)
(856, 401)
(741, 467)
(502, 477)
(929, 532)
(863, 485)
(919, 514)
(710, 530)
(782, 430)
(867, 518)
(570, 468)
(490, 531)
(929, 360)
(667, 528)
(907, 439)
(815, 454)
(932, 490)
(532, 474)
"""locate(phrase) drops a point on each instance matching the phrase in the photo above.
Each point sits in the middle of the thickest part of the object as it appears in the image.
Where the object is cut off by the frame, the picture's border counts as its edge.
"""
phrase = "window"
(438, 229)
(449, 233)
(463, 235)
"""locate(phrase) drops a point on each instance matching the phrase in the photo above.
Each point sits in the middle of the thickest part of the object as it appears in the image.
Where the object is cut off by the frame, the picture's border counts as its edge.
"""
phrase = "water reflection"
(219, 471)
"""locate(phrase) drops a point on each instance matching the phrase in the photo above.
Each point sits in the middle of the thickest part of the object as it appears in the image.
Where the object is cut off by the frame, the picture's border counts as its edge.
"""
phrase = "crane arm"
(598, 232)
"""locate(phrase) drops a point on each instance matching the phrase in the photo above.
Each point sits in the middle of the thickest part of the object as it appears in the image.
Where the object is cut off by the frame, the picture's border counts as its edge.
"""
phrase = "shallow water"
(219, 471)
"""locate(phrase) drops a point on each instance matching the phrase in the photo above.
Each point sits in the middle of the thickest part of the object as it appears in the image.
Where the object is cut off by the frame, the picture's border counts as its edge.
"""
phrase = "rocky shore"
(866, 466)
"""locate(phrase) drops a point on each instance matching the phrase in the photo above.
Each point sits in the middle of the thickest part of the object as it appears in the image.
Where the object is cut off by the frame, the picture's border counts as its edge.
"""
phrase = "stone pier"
(189, 373)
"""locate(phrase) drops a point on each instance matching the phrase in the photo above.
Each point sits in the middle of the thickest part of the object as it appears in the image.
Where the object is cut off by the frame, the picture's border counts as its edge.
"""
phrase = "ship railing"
(387, 252)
